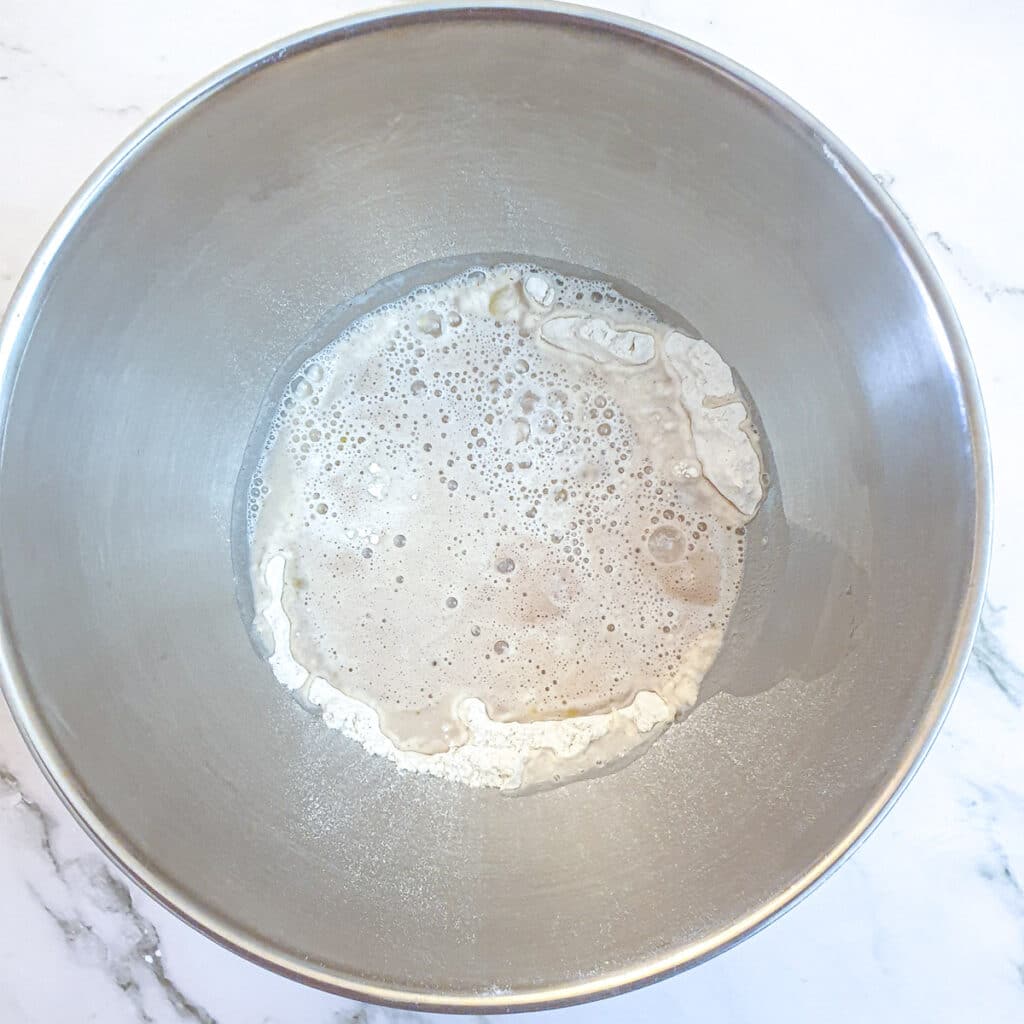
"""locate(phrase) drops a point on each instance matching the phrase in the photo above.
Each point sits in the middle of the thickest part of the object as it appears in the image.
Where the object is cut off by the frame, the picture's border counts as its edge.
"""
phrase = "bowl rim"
(16, 329)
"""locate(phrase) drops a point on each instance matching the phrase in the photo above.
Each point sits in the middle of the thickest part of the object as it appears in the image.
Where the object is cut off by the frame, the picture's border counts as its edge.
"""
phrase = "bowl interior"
(219, 243)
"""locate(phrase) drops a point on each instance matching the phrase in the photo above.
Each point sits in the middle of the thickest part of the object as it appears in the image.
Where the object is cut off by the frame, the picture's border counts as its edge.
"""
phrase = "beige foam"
(473, 504)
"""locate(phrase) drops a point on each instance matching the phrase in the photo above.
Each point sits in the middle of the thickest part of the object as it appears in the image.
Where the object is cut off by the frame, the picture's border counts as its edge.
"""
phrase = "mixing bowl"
(136, 354)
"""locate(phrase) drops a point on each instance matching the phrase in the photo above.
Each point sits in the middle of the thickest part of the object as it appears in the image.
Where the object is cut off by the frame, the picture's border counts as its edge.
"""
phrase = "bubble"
(521, 366)
(474, 630)
(418, 387)
(452, 602)
(604, 429)
(666, 544)
(501, 646)
(539, 289)
(399, 540)
(430, 323)
(505, 565)
(367, 552)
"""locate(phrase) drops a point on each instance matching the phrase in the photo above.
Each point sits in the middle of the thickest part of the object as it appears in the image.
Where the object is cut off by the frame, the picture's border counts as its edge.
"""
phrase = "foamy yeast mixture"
(497, 530)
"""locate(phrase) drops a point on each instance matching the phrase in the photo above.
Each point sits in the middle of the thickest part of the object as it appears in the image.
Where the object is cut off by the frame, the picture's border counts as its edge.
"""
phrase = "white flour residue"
(498, 528)
(502, 755)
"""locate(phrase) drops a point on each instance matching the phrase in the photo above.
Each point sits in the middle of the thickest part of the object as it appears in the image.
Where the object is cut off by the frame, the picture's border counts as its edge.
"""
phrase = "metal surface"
(135, 354)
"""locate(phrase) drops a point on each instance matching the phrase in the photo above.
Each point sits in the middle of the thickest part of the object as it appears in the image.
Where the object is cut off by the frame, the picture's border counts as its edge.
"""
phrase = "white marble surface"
(926, 923)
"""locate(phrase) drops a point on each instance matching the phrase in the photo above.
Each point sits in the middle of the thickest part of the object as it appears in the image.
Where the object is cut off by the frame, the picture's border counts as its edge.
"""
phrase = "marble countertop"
(926, 921)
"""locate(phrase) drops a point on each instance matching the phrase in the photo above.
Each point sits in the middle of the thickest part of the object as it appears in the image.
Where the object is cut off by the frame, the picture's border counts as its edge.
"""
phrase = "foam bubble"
(519, 439)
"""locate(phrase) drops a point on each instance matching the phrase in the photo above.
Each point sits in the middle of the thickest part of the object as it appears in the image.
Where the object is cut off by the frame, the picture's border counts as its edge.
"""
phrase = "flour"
(718, 416)
(502, 755)
(497, 531)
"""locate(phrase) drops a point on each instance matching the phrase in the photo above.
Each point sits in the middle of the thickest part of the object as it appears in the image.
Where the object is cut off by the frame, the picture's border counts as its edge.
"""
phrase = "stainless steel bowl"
(136, 353)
